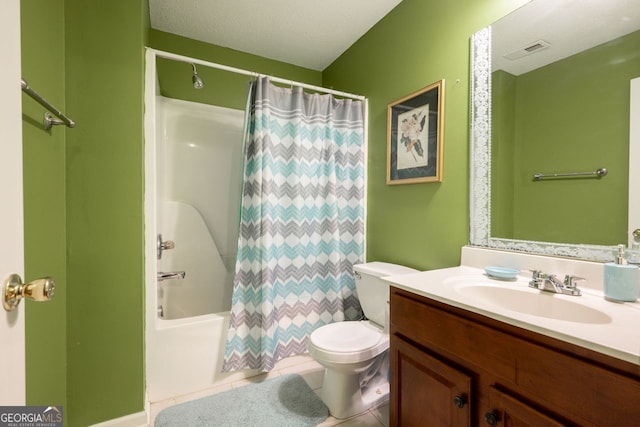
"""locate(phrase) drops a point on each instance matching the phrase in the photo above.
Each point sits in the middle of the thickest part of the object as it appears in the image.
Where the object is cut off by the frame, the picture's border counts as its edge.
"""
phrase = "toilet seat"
(348, 342)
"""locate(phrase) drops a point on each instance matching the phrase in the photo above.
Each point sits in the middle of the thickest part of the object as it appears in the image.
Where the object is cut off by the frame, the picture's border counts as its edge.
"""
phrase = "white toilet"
(355, 354)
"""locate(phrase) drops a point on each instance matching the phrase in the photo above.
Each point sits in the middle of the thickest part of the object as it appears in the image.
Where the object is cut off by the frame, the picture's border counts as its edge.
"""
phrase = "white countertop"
(615, 332)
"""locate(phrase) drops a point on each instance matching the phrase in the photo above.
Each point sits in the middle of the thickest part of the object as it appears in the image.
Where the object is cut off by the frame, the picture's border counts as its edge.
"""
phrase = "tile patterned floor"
(310, 370)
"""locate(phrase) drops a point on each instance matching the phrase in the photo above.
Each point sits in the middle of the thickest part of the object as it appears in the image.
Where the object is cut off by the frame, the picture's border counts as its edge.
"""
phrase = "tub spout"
(162, 275)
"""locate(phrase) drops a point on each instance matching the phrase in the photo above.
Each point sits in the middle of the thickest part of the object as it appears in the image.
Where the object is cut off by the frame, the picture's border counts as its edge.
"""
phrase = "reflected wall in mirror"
(550, 94)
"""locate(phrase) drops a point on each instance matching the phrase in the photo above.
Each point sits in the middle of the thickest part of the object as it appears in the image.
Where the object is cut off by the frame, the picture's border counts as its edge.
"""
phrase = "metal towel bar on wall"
(598, 173)
(48, 119)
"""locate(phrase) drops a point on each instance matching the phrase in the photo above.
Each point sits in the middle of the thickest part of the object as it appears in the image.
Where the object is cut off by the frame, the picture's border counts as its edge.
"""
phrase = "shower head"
(196, 79)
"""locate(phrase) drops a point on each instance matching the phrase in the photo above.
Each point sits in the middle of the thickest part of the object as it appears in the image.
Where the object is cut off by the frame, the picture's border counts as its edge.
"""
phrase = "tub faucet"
(162, 275)
(550, 283)
(162, 245)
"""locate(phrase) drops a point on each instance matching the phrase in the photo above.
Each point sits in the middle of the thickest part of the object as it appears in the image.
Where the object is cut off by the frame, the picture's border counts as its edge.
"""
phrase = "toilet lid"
(346, 337)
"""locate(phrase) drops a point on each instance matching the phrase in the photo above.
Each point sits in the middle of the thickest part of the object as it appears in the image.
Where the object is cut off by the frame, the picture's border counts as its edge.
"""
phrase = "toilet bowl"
(355, 353)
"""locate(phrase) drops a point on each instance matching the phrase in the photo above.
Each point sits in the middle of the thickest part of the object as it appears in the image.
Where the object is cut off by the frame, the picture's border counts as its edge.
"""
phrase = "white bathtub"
(193, 161)
(185, 355)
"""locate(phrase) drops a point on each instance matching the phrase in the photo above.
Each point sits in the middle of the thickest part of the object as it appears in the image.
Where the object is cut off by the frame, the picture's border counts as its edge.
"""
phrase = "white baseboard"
(133, 420)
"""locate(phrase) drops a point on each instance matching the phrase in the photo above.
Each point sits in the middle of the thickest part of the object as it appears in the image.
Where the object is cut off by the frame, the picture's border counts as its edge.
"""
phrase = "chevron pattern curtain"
(301, 226)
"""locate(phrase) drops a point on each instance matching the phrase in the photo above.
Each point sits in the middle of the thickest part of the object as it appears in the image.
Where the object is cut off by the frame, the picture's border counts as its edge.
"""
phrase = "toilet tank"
(373, 292)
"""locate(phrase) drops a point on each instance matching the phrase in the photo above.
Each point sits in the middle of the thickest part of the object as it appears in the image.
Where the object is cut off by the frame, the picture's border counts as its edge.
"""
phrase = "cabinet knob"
(459, 401)
(491, 418)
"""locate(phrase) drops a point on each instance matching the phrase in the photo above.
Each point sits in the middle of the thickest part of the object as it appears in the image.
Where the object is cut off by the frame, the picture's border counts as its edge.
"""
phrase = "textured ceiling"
(308, 33)
(569, 26)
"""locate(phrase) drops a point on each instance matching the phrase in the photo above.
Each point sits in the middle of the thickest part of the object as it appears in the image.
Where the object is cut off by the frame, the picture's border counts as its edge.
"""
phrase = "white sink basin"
(588, 320)
(534, 302)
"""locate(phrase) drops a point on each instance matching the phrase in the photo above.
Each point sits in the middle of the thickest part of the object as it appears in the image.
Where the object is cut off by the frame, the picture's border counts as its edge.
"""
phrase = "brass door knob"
(14, 291)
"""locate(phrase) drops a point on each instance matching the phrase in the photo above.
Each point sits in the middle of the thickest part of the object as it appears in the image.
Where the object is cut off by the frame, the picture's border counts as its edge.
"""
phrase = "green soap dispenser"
(621, 280)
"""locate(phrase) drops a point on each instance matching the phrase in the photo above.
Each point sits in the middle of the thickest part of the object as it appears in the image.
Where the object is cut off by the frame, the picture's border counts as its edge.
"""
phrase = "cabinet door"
(510, 412)
(425, 391)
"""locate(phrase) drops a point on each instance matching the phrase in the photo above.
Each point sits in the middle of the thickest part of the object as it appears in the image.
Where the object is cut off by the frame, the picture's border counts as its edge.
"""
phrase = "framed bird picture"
(414, 136)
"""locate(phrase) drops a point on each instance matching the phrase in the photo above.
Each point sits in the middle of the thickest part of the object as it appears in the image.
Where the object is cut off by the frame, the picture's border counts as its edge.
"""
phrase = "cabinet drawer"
(457, 338)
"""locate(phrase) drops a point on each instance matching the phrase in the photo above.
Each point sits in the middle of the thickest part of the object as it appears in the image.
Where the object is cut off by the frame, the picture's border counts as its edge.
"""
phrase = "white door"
(12, 374)
(634, 161)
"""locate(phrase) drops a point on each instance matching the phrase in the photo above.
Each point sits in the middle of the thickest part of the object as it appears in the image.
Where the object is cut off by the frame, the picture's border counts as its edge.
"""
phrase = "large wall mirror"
(551, 95)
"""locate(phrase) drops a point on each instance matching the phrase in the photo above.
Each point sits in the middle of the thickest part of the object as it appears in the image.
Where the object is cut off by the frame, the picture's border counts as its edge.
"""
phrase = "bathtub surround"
(280, 402)
(194, 158)
(198, 179)
(301, 226)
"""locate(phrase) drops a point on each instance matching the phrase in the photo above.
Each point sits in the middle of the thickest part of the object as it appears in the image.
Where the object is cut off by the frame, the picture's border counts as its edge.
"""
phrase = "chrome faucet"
(162, 245)
(551, 283)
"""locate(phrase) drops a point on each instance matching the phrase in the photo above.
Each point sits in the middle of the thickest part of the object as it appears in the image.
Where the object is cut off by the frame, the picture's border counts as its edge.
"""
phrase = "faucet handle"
(538, 274)
(570, 282)
(537, 279)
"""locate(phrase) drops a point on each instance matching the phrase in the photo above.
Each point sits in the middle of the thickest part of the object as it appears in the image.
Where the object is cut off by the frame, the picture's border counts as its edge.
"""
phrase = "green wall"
(42, 37)
(503, 99)
(418, 43)
(105, 217)
(221, 87)
(84, 206)
(590, 90)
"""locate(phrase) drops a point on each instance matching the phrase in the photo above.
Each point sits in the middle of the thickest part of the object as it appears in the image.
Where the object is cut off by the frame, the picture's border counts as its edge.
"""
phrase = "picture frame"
(414, 136)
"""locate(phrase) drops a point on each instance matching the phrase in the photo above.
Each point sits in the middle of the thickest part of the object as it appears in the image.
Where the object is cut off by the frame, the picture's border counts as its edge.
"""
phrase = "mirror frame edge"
(480, 173)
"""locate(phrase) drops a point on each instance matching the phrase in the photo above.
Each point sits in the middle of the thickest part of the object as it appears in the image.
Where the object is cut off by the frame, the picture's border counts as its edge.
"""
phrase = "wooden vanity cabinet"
(452, 367)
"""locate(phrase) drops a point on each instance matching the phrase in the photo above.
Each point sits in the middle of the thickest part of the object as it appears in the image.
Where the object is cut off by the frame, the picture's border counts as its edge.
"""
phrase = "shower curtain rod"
(187, 59)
